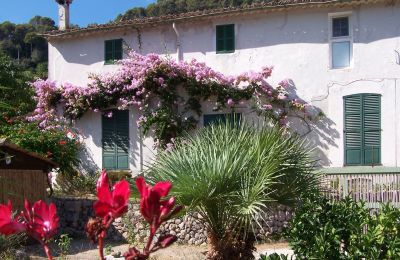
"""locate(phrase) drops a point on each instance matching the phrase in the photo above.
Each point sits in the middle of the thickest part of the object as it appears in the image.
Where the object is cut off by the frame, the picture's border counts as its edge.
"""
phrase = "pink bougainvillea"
(156, 86)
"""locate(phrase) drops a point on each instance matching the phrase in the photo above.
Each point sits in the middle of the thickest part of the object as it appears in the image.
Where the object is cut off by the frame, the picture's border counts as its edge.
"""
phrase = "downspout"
(178, 42)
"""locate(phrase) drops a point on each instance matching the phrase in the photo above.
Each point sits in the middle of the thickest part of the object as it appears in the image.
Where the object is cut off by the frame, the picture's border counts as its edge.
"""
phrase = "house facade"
(341, 56)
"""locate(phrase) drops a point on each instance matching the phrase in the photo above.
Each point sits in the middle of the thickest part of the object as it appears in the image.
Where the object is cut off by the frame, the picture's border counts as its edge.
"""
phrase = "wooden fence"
(17, 185)
(372, 188)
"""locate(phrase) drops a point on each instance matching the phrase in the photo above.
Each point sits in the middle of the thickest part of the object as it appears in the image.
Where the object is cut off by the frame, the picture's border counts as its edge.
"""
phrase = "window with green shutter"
(215, 118)
(362, 129)
(113, 51)
(115, 141)
(225, 38)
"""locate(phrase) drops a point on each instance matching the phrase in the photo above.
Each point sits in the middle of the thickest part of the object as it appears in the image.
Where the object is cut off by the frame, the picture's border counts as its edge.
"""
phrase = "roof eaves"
(198, 15)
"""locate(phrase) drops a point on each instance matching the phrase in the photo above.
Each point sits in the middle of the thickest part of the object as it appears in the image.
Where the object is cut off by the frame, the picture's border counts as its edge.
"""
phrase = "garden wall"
(75, 212)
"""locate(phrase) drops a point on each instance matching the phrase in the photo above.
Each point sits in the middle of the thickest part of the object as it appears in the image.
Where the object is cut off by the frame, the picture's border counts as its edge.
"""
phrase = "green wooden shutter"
(108, 55)
(372, 129)
(215, 118)
(115, 141)
(225, 38)
(230, 38)
(122, 139)
(113, 51)
(362, 129)
(220, 39)
(108, 144)
(353, 129)
(118, 49)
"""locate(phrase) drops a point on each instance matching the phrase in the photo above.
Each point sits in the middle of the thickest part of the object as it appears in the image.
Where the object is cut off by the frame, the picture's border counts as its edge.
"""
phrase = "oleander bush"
(345, 229)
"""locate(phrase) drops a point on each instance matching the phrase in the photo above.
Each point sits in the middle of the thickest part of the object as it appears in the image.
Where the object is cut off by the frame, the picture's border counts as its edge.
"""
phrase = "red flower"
(113, 203)
(8, 224)
(41, 221)
(153, 209)
(62, 142)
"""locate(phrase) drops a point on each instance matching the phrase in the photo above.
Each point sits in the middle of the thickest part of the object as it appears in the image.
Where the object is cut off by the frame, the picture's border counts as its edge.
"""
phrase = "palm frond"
(231, 173)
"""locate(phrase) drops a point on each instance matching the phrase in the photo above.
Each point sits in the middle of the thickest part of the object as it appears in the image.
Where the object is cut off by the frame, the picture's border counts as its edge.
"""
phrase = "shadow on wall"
(321, 134)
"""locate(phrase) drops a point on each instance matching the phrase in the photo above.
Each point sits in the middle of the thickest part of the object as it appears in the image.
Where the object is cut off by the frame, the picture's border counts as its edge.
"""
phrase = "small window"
(113, 51)
(340, 42)
(217, 118)
(225, 38)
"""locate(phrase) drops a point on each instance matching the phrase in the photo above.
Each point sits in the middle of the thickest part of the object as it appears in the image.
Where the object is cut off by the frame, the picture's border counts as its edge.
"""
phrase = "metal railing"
(372, 188)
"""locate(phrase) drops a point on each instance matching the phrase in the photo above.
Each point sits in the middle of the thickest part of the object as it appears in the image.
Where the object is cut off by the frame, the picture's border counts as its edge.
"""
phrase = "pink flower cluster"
(140, 80)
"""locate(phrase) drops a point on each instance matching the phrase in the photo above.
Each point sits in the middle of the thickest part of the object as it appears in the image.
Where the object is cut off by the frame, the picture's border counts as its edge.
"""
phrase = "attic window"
(341, 43)
(113, 51)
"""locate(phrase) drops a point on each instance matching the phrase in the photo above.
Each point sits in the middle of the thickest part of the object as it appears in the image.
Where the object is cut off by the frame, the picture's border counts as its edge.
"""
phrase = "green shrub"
(64, 243)
(323, 229)
(52, 143)
(79, 185)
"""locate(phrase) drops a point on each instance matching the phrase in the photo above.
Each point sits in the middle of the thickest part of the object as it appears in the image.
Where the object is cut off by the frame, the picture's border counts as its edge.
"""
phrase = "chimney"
(63, 14)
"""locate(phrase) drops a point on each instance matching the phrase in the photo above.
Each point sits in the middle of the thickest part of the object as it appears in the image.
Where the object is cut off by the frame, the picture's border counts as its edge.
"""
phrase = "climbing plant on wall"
(168, 94)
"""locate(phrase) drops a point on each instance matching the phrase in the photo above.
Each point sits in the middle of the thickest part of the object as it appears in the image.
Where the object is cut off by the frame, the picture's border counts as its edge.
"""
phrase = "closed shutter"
(362, 129)
(372, 128)
(108, 143)
(353, 131)
(115, 141)
(109, 55)
(215, 118)
(113, 51)
(225, 38)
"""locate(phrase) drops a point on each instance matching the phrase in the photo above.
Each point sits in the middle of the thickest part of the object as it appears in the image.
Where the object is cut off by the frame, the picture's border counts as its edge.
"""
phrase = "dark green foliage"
(23, 43)
(165, 7)
(14, 89)
(322, 229)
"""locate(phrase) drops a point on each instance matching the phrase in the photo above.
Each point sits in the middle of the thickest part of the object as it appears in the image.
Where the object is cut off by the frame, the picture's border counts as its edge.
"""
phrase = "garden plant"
(345, 229)
(41, 222)
(230, 173)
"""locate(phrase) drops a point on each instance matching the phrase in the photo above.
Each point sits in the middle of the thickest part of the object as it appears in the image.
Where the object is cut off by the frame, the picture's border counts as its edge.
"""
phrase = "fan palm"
(231, 174)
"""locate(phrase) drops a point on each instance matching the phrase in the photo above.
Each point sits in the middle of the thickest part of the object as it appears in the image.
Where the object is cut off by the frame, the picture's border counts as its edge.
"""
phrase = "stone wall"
(190, 229)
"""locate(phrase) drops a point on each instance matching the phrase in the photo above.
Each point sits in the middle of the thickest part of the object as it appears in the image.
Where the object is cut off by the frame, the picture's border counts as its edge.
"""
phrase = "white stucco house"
(343, 57)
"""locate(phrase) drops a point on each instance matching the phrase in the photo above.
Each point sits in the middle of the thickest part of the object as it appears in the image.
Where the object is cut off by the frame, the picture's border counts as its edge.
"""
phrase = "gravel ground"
(82, 250)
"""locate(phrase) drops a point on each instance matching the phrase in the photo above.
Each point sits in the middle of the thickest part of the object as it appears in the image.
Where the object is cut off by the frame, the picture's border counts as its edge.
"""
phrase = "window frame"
(113, 61)
(339, 39)
(216, 39)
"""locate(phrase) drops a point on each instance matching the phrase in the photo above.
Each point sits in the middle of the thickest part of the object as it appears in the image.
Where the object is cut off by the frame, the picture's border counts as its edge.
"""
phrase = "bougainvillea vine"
(168, 95)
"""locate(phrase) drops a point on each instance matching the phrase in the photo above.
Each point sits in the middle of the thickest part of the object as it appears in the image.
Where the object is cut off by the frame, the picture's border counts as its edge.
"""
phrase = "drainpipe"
(178, 42)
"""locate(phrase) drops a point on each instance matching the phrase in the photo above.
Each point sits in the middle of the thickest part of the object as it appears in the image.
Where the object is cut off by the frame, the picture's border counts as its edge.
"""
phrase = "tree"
(14, 89)
(24, 43)
(231, 174)
(165, 7)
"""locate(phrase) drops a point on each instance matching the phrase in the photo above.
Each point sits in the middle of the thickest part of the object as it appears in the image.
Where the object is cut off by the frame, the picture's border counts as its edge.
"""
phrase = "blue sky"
(83, 12)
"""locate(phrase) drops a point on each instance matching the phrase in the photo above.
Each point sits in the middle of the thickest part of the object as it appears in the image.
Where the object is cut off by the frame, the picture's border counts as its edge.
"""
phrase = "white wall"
(296, 43)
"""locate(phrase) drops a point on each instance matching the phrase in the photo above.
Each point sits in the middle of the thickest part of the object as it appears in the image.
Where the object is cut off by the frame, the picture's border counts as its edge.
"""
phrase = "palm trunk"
(230, 247)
